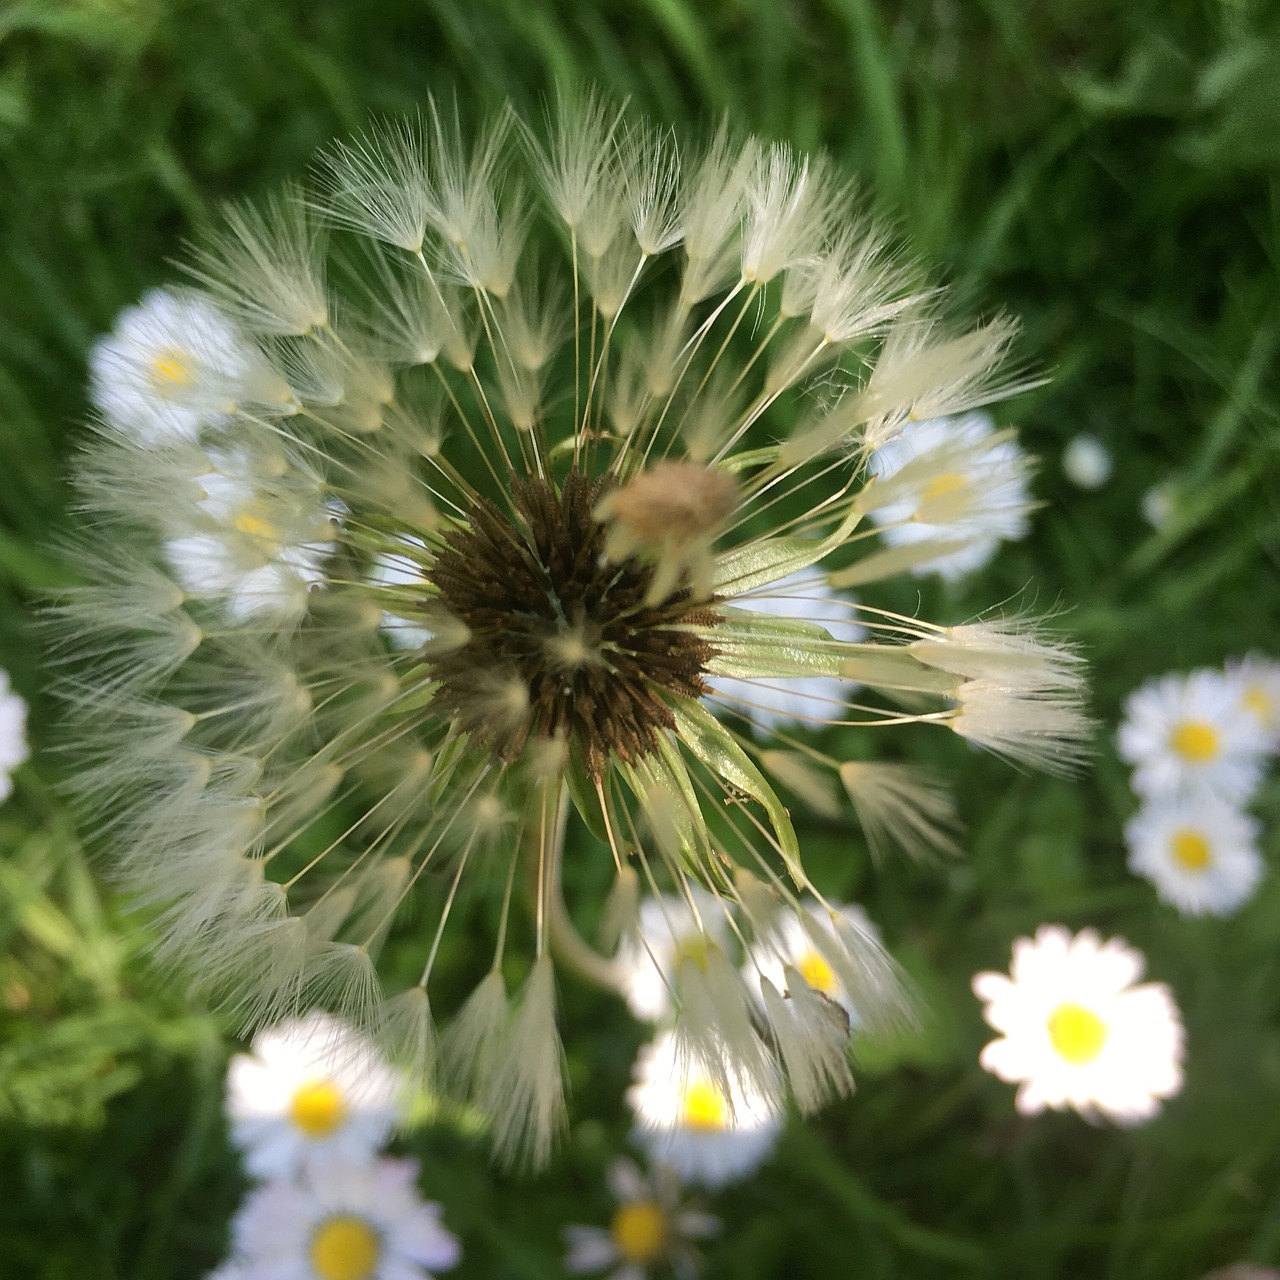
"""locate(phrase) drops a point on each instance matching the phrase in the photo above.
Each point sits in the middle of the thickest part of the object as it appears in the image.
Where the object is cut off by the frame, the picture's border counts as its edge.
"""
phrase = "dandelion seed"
(519, 509)
(1075, 1030)
(13, 735)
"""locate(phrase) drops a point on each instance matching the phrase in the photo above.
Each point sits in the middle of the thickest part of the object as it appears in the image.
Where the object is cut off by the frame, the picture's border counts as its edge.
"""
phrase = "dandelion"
(537, 462)
(1191, 732)
(650, 1228)
(1200, 853)
(948, 492)
(709, 1130)
(312, 1090)
(13, 735)
(1076, 1032)
(342, 1221)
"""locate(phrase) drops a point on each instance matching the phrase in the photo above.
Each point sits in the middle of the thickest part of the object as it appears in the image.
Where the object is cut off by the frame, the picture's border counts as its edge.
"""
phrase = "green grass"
(1111, 174)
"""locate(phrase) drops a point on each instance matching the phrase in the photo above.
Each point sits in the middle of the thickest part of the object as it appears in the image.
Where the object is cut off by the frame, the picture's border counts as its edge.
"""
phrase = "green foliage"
(1107, 172)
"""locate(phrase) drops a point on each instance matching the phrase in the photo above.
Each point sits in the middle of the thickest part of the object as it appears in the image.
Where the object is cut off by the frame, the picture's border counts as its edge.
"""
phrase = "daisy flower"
(255, 540)
(342, 1221)
(1076, 1032)
(797, 940)
(710, 1130)
(1199, 852)
(650, 1228)
(312, 1091)
(1191, 731)
(1086, 462)
(812, 700)
(667, 931)
(174, 364)
(13, 735)
(570, 476)
(1257, 679)
(951, 489)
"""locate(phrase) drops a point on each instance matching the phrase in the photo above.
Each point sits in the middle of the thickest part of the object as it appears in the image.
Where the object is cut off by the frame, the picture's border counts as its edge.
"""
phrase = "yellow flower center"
(696, 948)
(1257, 702)
(1191, 850)
(256, 526)
(345, 1248)
(941, 486)
(1077, 1033)
(1196, 741)
(817, 973)
(317, 1108)
(170, 370)
(639, 1229)
(704, 1107)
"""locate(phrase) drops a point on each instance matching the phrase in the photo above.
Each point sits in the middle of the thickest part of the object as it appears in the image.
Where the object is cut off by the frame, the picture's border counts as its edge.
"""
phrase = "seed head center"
(561, 643)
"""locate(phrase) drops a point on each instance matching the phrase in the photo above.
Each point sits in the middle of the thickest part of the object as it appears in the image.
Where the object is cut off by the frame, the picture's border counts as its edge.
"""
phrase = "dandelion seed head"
(522, 438)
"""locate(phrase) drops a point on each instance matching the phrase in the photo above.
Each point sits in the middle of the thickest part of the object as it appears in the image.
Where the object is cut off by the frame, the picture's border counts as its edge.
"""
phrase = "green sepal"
(715, 746)
(582, 792)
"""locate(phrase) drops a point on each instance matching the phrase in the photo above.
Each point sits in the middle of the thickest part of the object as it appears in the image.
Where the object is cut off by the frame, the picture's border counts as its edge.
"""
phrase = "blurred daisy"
(1075, 1030)
(813, 700)
(955, 488)
(1086, 462)
(174, 364)
(668, 930)
(1160, 504)
(1257, 680)
(1199, 852)
(649, 1228)
(1191, 732)
(256, 539)
(311, 1091)
(342, 1221)
(710, 1131)
(13, 735)
(403, 575)
(795, 942)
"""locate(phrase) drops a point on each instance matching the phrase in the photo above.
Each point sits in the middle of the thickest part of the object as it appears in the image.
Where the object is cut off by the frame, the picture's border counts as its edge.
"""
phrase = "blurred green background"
(1111, 174)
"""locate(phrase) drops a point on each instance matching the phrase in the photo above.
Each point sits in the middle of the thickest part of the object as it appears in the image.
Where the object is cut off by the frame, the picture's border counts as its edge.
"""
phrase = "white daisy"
(650, 1228)
(173, 365)
(668, 929)
(13, 735)
(792, 943)
(1075, 1030)
(342, 1221)
(1086, 462)
(1191, 732)
(256, 539)
(687, 1120)
(1257, 680)
(809, 699)
(1199, 852)
(312, 1091)
(953, 482)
